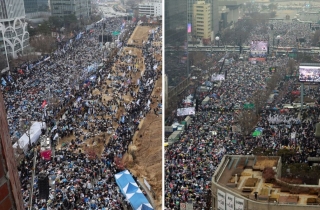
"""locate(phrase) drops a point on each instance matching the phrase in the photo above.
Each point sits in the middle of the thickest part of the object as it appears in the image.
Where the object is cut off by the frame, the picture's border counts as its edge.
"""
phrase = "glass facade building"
(176, 62)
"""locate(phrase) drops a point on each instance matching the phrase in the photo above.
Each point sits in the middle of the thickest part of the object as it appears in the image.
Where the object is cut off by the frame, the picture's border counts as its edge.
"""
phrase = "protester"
(80, 99)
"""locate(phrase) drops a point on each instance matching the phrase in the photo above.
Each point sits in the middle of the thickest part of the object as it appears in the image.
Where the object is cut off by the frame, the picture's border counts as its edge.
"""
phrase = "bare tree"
(247, 119)
(43, 44)
(316, 38)
(291, 66)
(28, 55)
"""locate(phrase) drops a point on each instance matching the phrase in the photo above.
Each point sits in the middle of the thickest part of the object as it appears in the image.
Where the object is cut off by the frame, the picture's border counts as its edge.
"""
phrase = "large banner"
(217, 77)
(229, 201)
(258, 48)
(221, 200)
(239, 204)
(186, 111)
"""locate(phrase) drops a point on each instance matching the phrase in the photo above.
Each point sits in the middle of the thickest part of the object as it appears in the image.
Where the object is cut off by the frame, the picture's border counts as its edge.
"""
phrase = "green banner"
(248, 106)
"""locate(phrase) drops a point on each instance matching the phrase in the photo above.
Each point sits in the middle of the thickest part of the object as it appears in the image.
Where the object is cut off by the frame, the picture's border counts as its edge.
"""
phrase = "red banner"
(46, 155)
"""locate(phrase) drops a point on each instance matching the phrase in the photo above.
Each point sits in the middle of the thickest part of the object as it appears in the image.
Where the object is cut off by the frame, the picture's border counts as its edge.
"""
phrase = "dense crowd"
(214, 131)
(88, 107)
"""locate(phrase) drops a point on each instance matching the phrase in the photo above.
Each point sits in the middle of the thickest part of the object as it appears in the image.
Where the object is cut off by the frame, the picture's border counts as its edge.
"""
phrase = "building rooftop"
(244, 175)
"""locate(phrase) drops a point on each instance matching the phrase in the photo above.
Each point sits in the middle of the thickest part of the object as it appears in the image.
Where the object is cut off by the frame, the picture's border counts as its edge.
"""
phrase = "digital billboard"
(189, 27)
(221, 200)
(186, 111)
(309, 73)
(259, 49)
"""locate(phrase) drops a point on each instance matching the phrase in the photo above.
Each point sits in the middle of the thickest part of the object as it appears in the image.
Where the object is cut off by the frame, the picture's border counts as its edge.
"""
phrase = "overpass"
(228, 48)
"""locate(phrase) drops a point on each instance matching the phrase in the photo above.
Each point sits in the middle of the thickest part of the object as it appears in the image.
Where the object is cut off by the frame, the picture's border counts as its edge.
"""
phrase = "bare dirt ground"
(147, 148)
(139, 34)
(145, 157)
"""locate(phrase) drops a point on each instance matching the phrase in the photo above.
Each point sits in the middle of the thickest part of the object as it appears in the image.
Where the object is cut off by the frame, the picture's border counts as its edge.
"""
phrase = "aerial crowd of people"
(87, 100)
(214, 131)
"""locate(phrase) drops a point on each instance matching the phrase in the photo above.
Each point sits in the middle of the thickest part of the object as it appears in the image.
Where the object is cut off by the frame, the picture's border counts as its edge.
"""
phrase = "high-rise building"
(10, 188)
(80, 8)
(32, 6)
(175, 21)
(14, 36)
(214, 13)
(176, 47)
(151, 8)
(202, 20)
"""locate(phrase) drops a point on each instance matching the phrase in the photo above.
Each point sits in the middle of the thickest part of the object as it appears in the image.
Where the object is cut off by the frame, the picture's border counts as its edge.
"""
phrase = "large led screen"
(186, 111)
(258, 48)
(309, 73)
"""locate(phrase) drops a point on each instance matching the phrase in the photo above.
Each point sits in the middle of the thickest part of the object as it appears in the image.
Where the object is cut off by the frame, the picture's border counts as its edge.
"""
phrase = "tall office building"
(215, 16)
(202, 20)
(151, 8)
(10, 188)
(32, 6)
(14, 36)
(176, 62)
(80, 8)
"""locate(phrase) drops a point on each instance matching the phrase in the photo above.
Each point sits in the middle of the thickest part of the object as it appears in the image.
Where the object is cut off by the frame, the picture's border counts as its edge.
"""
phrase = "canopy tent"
(131, 191)
(35, 132)
(145, 206)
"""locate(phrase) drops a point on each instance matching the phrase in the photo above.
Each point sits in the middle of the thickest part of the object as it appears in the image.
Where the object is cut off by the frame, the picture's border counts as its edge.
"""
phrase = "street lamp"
(217, 40)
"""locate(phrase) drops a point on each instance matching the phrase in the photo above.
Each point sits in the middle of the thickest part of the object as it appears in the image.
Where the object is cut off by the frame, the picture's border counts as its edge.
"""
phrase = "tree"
(43, 44)
(316, 38)
(247, 120)
(28, 55)
(44, 28)
(56, 21)
(291, 66)
(259, 99)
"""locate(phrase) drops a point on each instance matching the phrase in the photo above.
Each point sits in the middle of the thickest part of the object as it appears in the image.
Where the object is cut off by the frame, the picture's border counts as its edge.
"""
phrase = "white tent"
(35, 132)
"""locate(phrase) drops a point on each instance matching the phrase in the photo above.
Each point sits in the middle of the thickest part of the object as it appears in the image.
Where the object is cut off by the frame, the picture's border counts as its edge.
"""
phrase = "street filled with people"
(92, 100)
(218, 125)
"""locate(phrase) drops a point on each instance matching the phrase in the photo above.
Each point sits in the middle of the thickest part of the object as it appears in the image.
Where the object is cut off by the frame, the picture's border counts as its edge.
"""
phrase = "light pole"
(217, 40)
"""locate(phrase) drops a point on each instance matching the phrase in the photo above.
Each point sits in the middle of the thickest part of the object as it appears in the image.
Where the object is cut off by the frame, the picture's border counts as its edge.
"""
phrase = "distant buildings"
(215, 16)
(202, 20)
(151, 8)
(80, 8)
(14, 36)
(33, 6)
(176, 46)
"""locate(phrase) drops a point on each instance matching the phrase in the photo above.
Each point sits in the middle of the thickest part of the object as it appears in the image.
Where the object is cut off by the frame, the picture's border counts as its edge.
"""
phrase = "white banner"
(189, 206)
(229, 201)
(182, 206)
(221, 200)
(239, 204)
